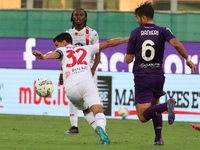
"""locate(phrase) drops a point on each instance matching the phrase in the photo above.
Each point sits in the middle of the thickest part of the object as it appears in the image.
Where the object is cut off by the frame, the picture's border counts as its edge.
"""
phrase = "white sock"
(73, 112)
(90, 119)
(100, 120)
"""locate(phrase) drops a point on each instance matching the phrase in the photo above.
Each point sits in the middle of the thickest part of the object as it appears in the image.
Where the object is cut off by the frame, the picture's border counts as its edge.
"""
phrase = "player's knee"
(97, 109)
(142, 119)
(86, 111)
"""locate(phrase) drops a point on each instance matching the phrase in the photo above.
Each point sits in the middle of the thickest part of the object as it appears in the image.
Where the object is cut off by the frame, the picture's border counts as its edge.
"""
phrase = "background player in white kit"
(81, 35)
(78, 82)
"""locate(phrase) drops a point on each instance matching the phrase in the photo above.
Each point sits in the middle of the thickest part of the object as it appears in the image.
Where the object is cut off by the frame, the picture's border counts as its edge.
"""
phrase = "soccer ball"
(123, 111)
(44, 87)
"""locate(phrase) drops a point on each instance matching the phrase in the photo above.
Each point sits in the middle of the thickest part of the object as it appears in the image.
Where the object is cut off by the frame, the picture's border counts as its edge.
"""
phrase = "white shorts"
(84, 95)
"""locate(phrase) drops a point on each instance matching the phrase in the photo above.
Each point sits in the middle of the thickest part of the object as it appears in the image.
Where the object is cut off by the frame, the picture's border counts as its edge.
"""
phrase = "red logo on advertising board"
(25, 96)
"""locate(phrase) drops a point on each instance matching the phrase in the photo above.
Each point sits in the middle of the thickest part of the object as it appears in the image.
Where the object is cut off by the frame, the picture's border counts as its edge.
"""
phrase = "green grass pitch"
(26, 132)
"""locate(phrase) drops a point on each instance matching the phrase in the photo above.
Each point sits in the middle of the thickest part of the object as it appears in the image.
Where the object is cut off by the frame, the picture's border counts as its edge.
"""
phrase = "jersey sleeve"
(168, 34)
(60, 52)
(95, 37)
(131, 44)
(94, 48)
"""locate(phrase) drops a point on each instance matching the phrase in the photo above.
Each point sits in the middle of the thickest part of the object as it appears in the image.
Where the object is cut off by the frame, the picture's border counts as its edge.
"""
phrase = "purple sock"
(154, 110)
(157, 124)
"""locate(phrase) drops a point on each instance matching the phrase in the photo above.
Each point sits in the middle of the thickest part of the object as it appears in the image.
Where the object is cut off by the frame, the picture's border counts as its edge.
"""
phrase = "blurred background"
(98, 5)
(27, 18)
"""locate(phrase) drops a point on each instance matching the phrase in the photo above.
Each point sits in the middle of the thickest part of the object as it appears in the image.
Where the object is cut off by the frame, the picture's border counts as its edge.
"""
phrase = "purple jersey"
(147, 43)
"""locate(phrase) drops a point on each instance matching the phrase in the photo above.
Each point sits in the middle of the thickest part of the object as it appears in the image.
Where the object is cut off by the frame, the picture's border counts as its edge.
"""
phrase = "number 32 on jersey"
(78, 61)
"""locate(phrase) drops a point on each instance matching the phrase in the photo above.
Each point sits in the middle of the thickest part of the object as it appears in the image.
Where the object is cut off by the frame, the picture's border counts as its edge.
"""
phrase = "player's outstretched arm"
(181, 50)
(49, 55)
(113, 42)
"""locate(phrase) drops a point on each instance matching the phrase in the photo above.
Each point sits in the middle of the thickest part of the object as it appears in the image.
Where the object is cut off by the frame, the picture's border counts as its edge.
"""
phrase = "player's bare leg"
(140, 110)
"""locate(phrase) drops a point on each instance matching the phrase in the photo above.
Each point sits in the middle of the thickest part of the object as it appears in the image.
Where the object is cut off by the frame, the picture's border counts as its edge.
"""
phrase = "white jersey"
(76, 63)
(86, 36)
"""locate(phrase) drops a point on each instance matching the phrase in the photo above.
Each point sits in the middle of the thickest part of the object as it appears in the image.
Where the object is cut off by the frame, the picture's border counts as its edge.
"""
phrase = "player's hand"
(61, 79)
(38, 54)
(192, 66)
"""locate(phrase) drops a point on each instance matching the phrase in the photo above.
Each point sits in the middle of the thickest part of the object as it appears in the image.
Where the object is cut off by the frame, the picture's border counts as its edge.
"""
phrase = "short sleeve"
(60, 52)
(94, 48)
(168, 34)
(131, 44)
(95, 37)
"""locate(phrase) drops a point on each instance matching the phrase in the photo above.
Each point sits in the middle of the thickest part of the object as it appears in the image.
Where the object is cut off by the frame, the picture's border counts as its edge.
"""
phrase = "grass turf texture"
(24, 132)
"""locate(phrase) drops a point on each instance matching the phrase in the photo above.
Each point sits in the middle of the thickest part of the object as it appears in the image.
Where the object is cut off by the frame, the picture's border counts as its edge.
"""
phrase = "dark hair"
(73, 14)
(145, 9)
(63, 36)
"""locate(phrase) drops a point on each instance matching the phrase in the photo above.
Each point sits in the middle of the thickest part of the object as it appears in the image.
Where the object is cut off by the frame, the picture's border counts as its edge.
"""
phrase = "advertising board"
(17, 95)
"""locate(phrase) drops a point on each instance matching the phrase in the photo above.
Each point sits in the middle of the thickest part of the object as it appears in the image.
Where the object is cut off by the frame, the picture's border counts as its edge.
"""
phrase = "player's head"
(61, 39)
(79, 17)
(145, 10)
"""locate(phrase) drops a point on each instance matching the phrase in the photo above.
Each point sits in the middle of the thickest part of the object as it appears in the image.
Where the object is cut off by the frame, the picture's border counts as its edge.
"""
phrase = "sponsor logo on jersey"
(78, 34)
(79, 69)
(78, 44)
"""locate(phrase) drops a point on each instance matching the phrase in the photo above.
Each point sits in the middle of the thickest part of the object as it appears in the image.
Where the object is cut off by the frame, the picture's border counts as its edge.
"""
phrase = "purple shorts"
(147, 89)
